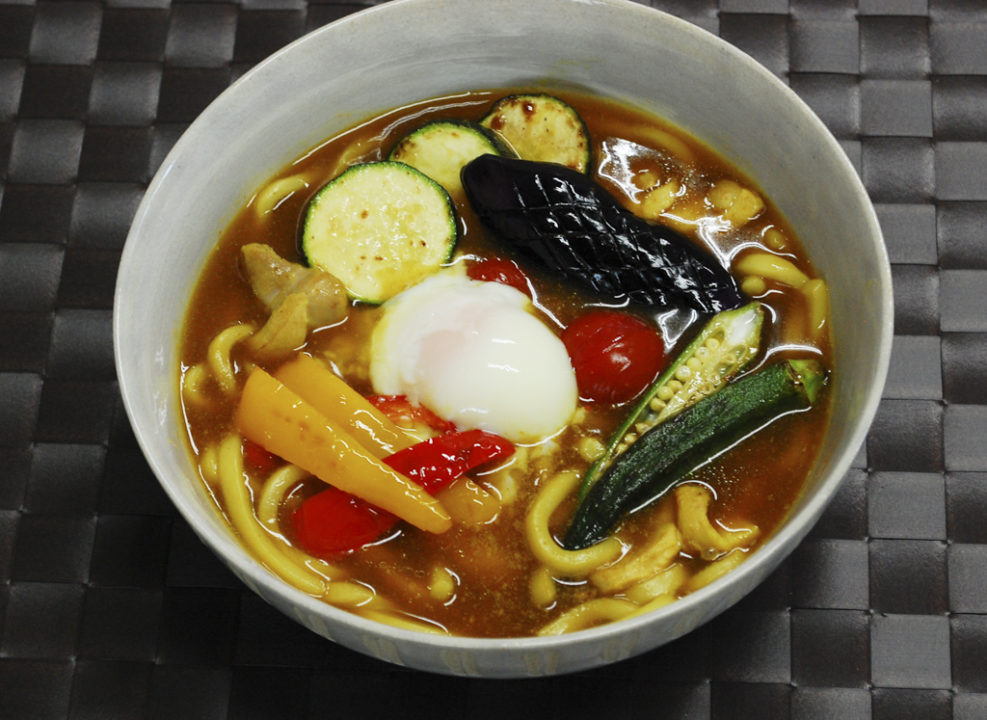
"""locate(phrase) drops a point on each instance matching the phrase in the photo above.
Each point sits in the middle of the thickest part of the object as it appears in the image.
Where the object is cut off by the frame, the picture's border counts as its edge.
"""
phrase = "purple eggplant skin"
(566, 223)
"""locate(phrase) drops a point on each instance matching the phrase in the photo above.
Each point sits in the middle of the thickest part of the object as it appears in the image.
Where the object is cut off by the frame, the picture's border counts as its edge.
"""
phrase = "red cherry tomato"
(615, 355)
(502, 271)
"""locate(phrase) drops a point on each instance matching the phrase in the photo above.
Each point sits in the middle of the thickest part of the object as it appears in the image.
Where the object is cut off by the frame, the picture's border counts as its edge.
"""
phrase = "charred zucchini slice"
(725, 346)
(541, 127)
(379, 228)
(673, 449)
(440, 149)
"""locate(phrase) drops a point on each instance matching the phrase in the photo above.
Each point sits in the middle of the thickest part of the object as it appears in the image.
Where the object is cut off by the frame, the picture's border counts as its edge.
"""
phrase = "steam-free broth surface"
(481, 578)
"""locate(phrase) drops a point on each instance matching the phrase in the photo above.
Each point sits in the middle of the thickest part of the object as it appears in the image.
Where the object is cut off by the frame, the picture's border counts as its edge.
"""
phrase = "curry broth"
(756, 482)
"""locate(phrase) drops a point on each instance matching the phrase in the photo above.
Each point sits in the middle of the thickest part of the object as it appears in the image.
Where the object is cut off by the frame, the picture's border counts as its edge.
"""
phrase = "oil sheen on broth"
(481, 577)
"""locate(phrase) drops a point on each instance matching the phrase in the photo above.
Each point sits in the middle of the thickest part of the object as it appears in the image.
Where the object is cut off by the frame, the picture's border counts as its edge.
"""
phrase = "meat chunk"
(273, 279)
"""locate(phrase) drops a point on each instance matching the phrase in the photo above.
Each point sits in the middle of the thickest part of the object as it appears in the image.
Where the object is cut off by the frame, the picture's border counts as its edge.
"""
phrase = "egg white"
(473, 352)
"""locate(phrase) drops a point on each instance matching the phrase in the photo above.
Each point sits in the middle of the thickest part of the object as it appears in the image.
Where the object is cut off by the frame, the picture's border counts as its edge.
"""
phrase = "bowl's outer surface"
(369, 62)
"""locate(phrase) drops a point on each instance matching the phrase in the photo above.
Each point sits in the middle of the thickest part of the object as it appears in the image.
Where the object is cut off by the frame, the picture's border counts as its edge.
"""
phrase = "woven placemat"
(111, 608)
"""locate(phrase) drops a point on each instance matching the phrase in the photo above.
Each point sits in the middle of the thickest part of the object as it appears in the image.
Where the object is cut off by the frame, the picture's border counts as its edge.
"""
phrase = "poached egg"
(472, 352)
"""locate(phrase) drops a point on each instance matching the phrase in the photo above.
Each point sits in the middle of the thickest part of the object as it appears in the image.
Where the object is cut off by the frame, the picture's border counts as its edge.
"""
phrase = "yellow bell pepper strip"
(334, 398)
(333, 521)
(377, 423)
(275, 417)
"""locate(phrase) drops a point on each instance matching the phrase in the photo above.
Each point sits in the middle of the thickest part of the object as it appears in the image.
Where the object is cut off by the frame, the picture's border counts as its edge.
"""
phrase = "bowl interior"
(366, 63)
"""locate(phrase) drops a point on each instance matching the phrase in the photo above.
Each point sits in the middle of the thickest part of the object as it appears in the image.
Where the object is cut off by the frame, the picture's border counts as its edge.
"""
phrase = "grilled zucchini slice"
(440, 149)
(541, 127)
(379, 227)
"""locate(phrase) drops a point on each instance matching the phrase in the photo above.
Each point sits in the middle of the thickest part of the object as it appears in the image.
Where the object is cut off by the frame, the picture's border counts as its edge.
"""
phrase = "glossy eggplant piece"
(565, 222)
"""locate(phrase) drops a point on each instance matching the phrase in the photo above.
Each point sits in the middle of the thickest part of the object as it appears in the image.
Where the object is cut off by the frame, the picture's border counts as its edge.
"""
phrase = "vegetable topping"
(727, 343)
(379, 227)
(409, 416)
(436, 462)
(274, 279)
(502, 271)
(541, 127)
(568, 224)
(333, 521)
(552, 325)
(615, 355)
(440, 149)
(276, 418)
(669, 451)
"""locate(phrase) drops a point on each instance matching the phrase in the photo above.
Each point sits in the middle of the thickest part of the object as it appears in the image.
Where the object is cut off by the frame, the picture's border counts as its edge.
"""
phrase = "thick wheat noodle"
(588, 614)
(269, 501)
(570, 563)
(771, 267)
(193, 380)
(346, 593)
(276, 191)
(817, 301)
(542, 587)
(715, 570)
(209, 465)
(236, 495)
(442, 584)
(273, 492)
(666, 141)
(658, 602)
(402, 621)
(666, 582)
(218, 355)
(352, 155)
(698, 532)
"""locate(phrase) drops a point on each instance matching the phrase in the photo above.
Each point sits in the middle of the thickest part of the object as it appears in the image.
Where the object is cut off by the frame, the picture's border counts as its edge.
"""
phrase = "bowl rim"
(762, 561)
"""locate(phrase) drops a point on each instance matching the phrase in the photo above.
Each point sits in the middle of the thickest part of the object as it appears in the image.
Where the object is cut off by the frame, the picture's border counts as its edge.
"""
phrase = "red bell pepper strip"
(436, 462)
(400, 410)
(258, 458)
(333, 521)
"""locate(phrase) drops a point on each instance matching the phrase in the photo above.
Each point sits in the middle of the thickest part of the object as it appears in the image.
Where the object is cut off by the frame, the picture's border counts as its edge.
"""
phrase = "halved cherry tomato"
(615, 355)
(502, 271)
(401, 411)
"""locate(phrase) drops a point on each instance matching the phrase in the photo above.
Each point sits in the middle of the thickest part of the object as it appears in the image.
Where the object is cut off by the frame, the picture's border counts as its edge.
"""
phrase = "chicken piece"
(272, 278)
(285, 330)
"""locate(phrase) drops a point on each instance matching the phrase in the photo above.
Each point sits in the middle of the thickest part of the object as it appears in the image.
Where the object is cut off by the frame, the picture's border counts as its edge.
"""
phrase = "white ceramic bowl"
(413, 49)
